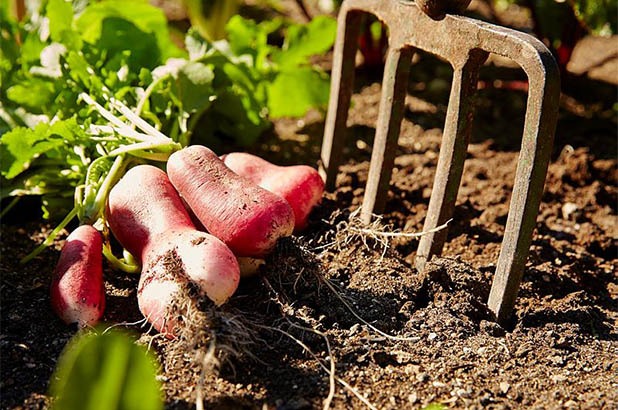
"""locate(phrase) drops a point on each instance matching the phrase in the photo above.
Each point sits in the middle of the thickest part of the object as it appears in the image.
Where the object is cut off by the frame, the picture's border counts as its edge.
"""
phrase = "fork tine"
(342, 80)
(465, 43)
(536, 147)
(392, 99)
(452, 155)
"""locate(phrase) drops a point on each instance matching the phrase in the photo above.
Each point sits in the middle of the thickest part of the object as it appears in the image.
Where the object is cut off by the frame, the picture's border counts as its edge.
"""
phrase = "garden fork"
(465, 43)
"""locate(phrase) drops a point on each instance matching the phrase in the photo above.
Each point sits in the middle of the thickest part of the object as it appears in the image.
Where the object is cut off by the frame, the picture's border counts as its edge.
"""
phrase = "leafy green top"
(122, 50)
(88, 91)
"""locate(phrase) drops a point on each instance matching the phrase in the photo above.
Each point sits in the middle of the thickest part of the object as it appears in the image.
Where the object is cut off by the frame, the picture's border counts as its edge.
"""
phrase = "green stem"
(135, 120)
(119, 264)
(6, 117)
(114, 172)
(51, 237)
(185, 137)
(174, 131)
(141, 146)
(151, 156)
(93, 210)
(147, 93)
(11, 204)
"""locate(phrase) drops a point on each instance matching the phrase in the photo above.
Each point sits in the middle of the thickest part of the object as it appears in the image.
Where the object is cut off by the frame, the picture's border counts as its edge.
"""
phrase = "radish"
(249, 219)
(300, 185)
(148, 218)
(77, 291)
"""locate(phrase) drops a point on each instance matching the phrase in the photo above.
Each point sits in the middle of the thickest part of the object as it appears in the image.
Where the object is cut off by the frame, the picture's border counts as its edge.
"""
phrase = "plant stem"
(117, 167)
(147, 93)
(50, 238)
(137, 121)
(11, 204)
(119, 263)
(172, 146)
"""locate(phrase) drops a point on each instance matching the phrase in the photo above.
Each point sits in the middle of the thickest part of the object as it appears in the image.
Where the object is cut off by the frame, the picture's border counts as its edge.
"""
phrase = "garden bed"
(561, 350)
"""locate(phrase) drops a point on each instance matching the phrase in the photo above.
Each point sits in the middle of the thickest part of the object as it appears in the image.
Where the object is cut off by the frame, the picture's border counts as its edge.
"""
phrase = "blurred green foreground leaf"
(105, 372)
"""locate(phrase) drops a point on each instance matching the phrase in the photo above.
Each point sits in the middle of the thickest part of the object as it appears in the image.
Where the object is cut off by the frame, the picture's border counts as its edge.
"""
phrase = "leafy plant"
(105, 371)
(563, 23)
(597, 16)
(210, 17)
(63, 74)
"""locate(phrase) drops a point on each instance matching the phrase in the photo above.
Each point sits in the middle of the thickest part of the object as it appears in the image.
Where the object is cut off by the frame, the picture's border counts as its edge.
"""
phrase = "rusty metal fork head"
(465, 43)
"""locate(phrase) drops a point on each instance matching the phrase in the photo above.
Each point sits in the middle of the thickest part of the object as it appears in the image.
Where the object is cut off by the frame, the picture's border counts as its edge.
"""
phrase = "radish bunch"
(243, 202)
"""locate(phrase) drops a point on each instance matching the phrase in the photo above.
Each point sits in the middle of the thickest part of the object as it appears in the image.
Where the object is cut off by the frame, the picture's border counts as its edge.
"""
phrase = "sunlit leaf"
(105, 372)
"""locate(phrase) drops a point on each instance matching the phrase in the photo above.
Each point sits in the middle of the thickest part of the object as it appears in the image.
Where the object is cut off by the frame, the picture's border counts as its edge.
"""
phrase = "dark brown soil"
(560, 352)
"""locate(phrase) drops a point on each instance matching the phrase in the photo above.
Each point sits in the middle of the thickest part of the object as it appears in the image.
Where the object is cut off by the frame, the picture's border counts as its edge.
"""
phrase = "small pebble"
(412, 398)
(432, 336)
(557, 360)
(523, 350)
(568, 209)
(504, 387)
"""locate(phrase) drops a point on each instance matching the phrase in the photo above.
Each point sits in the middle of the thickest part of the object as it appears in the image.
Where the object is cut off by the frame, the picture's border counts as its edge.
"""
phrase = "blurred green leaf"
(31, 49)
(105, 372)
(294, 92)
(194, 86)
(305, 40)
(117, 25)
(21, 146)
(210, 17)
(34, 94)
(600, 16)
(60, 14)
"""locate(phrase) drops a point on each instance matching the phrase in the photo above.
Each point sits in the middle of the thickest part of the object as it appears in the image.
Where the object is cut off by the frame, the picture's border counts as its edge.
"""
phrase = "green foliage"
(122, 50)
(598, 16)
(294, 92)
(210, 17)
(22, 145)
(304, 41)
(105, 372)
(115, 26)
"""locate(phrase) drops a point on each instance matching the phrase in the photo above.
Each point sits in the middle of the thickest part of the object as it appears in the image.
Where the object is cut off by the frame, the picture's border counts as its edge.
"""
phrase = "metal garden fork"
(465, 43)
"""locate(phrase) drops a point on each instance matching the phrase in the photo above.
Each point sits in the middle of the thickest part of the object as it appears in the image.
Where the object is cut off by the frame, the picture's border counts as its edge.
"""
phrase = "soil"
(441, 344)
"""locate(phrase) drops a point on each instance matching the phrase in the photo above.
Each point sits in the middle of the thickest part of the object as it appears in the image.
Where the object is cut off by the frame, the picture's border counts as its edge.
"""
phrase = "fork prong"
(392, 102)
(342, 81)
(536, 147)
(452, 156)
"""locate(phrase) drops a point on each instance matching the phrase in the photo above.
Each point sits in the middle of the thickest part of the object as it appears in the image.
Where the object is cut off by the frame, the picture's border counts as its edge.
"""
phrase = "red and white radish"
(148, 218)
(249, 219)
(300, 185)
(77, 291)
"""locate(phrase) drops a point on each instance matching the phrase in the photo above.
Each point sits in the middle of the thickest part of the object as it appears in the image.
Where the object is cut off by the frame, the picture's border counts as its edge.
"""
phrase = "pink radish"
(249, 219)
(300, 185)
(77, 291)
(148, 218)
